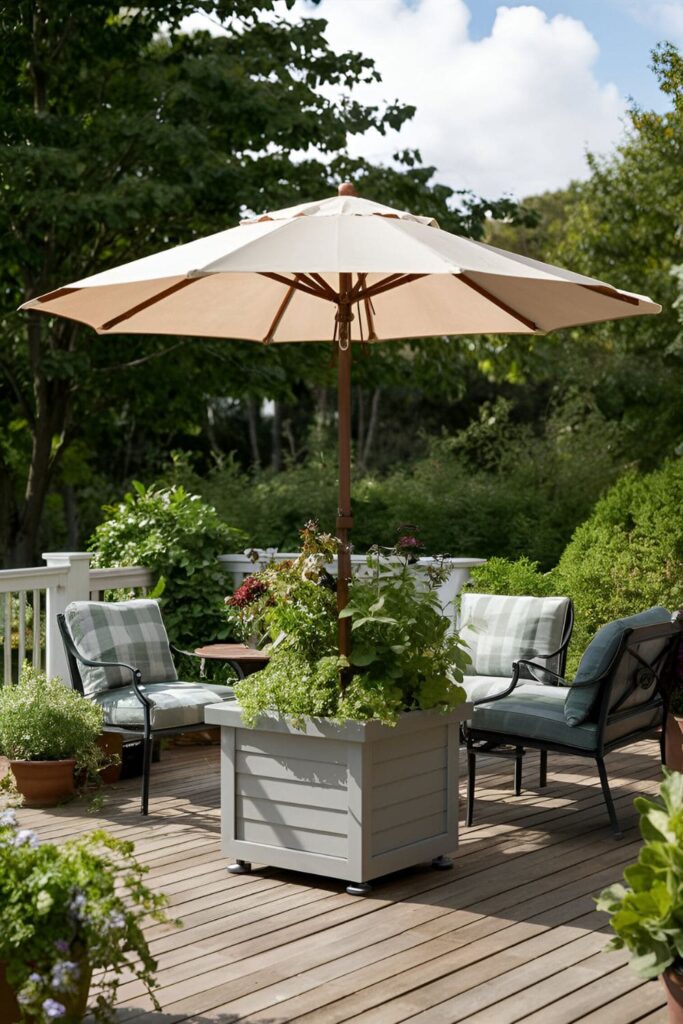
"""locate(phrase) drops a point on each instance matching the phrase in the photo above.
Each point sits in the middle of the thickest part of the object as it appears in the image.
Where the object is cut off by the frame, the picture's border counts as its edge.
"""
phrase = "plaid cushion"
(129, 631)
(499, 630)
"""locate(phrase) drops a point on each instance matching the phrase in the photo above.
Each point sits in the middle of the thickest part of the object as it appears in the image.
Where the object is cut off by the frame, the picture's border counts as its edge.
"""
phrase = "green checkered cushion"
(499, 630)
(173, 704)
(129, 631)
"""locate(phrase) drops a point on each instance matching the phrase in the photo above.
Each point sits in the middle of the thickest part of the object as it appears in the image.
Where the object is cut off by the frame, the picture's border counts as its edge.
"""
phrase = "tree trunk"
(276, 438)
(372, 427)
(253, 421)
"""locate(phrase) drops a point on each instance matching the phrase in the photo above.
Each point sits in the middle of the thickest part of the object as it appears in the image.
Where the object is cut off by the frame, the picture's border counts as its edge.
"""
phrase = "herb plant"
(68, 910)
(43, 720)
(403, 656)
(647, 914)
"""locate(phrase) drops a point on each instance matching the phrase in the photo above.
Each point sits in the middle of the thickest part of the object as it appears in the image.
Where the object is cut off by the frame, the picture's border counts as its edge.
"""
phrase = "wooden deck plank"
(509, 936)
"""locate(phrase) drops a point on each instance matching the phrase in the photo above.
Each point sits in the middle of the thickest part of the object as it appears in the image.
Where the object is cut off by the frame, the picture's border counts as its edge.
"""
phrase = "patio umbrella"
(343, 268)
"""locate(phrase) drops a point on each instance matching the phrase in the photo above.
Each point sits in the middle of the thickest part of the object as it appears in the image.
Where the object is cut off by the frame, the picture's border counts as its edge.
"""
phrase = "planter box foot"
(241, 867)
(358, 888)
(442, 863)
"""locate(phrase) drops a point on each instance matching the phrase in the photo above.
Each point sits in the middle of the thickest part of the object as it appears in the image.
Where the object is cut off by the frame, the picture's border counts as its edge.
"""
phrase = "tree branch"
(141, 360)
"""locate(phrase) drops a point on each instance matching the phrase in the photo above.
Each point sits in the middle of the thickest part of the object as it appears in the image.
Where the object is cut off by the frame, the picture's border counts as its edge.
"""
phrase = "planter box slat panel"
(291, 838)
(298, 769)
(409, 832)
(275, 812)
(289, 791)
(407, 789)
(401, 747)
(409, 810)
(354, 800)
(326, 751)
(405, 767)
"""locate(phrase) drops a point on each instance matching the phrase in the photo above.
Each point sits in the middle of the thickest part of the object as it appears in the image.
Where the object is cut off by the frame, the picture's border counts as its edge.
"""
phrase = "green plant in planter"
(403, 656)
(70, 910)
(647, 913)
(43, 720)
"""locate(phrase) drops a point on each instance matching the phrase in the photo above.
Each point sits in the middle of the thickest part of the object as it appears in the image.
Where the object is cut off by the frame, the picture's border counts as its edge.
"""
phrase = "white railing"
(459, 571)
(34, 597)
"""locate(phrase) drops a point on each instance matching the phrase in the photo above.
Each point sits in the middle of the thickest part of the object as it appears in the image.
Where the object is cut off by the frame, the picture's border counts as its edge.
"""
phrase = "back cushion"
(499, 630)
(128, 631)
(597, 658)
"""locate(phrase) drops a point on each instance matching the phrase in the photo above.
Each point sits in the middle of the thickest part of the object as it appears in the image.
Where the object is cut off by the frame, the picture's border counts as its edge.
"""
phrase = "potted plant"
(647, 913)
(344, 768)
(48, 731)
(673, 740)
(68, 911)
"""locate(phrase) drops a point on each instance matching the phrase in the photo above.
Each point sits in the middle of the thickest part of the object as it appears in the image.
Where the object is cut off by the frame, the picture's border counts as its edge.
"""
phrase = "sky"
(509, 96)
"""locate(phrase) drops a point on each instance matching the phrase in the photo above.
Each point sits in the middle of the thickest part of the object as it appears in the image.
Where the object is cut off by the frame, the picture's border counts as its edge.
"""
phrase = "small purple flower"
(35, 979)
(25, 837)
(64, 973)
(62, 946)
(115, 919)
(9, 818)
(52, 1009)
(76, 904)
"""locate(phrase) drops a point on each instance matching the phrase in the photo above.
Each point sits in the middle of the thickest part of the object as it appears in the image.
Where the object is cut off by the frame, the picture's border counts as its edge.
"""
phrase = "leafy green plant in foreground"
(68, 910)
(647, 913)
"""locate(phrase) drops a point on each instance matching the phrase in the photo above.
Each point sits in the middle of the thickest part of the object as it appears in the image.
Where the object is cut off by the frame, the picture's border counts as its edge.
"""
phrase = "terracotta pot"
(44, 783)
(673, 986)
(75, 1002)
(673, 743)
(112, 745)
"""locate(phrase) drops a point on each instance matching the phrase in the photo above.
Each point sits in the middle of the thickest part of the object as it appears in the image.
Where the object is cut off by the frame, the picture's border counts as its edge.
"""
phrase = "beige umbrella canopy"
(343, 268)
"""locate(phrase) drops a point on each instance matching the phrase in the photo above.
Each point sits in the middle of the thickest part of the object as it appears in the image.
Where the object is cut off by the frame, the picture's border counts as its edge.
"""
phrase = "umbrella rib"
(611, 293)
(329, 291)
(317, 293)
(497, 302)
(282, 309)
(385, 285)
(149, 302)
(56, 294)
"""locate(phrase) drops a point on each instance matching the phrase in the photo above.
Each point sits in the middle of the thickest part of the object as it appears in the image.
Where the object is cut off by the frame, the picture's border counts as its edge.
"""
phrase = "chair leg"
(147, 749)
(519, 753)
(471, 771)
(543, 780)
(614, 821)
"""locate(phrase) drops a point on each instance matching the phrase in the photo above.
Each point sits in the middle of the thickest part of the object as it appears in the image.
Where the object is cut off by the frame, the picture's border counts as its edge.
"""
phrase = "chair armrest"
(505, 693)
(559, 680)
(135, 672)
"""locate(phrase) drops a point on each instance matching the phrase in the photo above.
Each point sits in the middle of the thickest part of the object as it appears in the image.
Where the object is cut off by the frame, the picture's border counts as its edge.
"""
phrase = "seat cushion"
(597, 659)
(175, 704)
(499, 630)
(536, 713)
(129, 631)
(479, 687)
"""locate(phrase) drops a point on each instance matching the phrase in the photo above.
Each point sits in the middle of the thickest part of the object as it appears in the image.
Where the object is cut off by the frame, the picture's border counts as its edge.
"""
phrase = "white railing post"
(76, 588)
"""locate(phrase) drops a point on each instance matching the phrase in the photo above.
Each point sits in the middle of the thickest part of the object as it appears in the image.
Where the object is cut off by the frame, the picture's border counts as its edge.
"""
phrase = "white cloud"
(665, 16)
(514, 111)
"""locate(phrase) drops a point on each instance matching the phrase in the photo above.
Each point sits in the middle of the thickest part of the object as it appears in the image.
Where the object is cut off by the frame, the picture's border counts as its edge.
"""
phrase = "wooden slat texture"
(509, 936)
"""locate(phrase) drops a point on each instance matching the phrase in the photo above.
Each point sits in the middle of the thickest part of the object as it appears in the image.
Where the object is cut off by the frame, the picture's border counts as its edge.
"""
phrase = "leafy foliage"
(647, 914)
(43, 720)
(68, 909)
(178, 537)
(502, 576)
(403, 657)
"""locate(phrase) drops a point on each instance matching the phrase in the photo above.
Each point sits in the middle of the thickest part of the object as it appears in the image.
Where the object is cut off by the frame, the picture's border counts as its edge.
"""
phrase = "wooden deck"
(509, 935)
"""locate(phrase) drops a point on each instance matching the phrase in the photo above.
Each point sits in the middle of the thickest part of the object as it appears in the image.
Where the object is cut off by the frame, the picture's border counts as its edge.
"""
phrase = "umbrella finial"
(347, 188)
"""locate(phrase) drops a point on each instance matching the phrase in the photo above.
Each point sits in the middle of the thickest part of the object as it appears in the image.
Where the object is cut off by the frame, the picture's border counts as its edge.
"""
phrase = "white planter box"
(352, 801)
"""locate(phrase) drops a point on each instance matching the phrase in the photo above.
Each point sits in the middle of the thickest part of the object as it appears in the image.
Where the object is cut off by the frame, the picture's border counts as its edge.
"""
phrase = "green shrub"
(43, 720)
(629, 554)
(178, 536)
(502, 576)
(497, 488)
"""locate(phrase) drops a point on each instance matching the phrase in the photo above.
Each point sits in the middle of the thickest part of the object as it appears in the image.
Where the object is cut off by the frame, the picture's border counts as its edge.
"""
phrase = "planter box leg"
(358, 888)
(241, 867)
(442, 863)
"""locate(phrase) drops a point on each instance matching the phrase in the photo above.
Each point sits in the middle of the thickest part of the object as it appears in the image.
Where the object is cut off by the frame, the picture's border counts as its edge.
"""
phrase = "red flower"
(249, 591)
(409, 542)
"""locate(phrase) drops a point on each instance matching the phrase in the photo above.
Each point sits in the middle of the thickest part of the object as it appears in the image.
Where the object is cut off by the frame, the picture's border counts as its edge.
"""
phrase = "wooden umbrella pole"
(344, 518)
